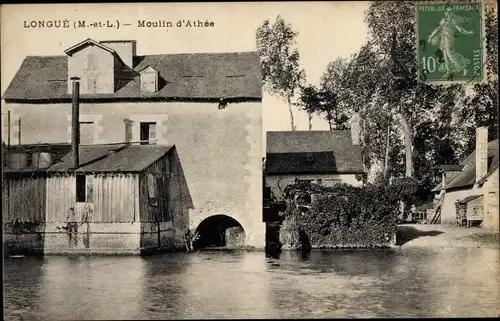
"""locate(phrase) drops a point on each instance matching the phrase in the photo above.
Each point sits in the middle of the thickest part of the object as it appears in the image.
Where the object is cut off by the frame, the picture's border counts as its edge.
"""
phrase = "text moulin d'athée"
(116, 24)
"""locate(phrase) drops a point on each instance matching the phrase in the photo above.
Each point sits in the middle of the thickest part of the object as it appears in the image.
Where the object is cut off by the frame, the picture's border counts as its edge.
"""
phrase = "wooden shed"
(470, 210)
(121, 196)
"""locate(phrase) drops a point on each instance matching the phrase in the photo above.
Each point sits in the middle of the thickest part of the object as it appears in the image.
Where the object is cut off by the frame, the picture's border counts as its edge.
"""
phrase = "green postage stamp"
(450, 44)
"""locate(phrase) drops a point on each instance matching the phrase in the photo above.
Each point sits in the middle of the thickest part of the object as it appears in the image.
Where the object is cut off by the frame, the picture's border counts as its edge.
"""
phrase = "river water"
(404, 282)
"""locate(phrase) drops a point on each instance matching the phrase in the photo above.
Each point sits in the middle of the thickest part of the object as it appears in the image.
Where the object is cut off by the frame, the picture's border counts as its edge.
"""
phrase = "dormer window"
(149, 80)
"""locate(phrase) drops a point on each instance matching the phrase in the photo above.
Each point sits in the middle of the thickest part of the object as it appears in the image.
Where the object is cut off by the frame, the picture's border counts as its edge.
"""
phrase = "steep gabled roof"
(467, 177)
(148, 68)
(85, 43)
(182, 76)
(332, 151)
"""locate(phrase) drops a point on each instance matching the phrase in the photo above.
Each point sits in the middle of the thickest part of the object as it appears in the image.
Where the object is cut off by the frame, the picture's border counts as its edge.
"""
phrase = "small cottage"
(474, 180)
(323, 157)
(470, 210)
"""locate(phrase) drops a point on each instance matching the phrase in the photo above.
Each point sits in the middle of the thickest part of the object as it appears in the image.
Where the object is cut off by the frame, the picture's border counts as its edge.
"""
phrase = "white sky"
(327, 30)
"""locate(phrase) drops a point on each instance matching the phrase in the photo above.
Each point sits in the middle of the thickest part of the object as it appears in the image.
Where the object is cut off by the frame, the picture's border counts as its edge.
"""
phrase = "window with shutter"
(128, 130)
(148, 133)
(151, 185)
(84, 188)
(87, 130)
(149, 82)
(91, 62)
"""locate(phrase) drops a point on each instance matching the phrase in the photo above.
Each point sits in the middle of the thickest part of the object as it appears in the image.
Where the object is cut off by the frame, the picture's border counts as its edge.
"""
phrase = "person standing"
(72, 224)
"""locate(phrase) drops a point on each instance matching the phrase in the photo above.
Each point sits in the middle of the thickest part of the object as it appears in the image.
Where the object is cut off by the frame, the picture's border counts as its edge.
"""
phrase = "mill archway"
(220, 231)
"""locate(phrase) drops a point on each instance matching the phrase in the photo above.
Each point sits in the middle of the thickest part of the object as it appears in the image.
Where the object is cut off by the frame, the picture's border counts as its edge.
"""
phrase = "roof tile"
(333, 150)
(45, 77)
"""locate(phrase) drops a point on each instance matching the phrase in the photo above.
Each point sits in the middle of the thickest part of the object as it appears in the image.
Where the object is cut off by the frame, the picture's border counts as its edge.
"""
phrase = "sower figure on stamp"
(444, 37)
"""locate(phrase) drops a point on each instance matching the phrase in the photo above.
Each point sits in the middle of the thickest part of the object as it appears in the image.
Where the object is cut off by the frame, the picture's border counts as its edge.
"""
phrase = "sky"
(326, 31)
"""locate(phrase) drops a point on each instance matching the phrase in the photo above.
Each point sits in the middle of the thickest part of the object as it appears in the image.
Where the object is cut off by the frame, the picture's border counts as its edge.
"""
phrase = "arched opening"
(220, 231)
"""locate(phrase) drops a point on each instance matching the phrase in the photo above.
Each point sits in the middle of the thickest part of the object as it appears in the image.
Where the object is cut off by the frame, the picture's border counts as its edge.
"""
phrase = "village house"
(470, 189)
(323, 157)
(209, 105)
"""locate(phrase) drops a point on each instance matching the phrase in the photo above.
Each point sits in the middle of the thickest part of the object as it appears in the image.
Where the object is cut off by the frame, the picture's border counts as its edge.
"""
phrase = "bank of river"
(407, 281)
(446, 236)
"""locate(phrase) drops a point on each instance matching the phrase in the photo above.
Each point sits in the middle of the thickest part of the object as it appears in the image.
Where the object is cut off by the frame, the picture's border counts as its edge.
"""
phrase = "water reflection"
(411, 282)
(86, 288)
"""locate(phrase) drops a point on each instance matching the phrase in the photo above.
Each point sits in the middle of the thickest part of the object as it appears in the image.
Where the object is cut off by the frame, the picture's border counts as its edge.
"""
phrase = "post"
(8, 129)
(19, 131)
(75, 121)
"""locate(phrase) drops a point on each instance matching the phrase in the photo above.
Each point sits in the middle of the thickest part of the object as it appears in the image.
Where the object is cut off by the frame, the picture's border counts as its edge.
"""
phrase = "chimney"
(126, 49)
(75, 121)
(481, 152)
(355, 129)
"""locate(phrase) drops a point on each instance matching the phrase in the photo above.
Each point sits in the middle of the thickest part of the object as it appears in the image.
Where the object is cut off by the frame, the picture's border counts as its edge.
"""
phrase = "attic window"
(91, 62)
(149, 80)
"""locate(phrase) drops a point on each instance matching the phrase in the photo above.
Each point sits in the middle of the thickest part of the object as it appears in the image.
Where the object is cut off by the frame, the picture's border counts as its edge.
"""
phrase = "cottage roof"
(56, 150)
(467, 177)
(182, 76)
(113, 158)
(329, 151)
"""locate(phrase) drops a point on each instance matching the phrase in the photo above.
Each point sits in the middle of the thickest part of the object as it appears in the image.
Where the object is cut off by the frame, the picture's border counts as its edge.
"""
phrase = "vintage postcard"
(250, 160)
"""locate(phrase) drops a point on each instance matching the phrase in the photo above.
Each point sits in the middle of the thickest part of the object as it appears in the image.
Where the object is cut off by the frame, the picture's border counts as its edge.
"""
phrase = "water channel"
(404, 282)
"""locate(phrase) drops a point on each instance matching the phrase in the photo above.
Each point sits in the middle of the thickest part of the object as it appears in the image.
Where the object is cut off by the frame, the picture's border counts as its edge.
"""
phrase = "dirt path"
(446, 236)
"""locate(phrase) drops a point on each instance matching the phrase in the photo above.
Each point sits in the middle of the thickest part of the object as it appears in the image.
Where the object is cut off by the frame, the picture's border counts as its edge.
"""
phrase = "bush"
(343, 215)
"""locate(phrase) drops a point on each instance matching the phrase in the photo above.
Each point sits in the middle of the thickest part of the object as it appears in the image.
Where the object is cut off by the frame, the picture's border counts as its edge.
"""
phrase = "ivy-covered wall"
(342, 216)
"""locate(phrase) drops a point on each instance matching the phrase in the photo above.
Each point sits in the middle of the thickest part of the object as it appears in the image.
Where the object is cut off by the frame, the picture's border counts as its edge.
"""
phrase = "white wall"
(278, 182)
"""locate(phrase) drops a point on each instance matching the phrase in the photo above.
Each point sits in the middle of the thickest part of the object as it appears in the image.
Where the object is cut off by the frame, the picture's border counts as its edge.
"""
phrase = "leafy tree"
(309, 101)
(281, 73)
(323, 102)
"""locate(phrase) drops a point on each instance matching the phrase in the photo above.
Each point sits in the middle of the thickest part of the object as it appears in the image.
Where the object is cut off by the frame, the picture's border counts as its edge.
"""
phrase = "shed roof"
(467, 177)
(57, 151)
(300, 163)
(332, 150)
(468, 199)
(183, 76)
(113, 158)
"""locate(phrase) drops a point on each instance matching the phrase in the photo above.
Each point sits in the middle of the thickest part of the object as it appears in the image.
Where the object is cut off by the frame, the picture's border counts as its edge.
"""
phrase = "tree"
(391, 25)
(281, 73)
(323, 102)
(309, 100)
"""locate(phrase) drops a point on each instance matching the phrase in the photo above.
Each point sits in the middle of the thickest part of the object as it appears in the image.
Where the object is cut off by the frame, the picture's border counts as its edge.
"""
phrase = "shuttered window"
(91, 62)
(151, 185)
(84, 188)
(149, 82)
(148, 133)
(87, 131)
